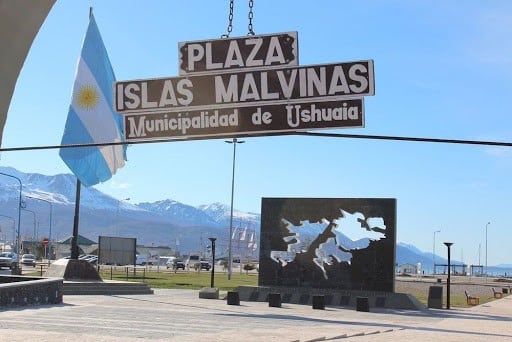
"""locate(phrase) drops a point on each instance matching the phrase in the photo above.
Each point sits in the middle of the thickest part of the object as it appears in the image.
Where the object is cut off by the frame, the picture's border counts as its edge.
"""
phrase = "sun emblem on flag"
(87, 97)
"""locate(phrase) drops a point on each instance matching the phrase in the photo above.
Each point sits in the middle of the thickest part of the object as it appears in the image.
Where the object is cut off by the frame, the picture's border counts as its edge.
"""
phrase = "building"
(62, 248)
(408, 269)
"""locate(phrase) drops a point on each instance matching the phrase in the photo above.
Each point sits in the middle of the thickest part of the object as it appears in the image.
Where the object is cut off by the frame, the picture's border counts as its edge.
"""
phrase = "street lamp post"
(34, 235)
(479, 250)
(49, 256)
(13, 227)
(212, 280)
(448, 244)
(488, 223)
(434, 253)
(235, 141)
(17, 268)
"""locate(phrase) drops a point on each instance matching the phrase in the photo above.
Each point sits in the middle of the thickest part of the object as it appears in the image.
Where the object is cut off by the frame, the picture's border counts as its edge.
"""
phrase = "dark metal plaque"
(249, 52)
(338, 243)
(257, 120)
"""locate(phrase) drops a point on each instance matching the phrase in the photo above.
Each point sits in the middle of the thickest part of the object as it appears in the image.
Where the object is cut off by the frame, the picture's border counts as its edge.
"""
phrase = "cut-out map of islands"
(330, 240)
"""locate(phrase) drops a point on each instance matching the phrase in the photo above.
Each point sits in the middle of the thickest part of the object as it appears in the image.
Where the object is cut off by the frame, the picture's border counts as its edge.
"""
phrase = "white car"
(170, 262)
(28, 260)
(90, 258)
(8, 259)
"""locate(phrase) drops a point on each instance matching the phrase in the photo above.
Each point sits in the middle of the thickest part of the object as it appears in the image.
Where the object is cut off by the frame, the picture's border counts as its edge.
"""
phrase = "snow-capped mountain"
(221, 214)
(414, 249)
(161, 223)
(179, 213)
(58, 189)
(166, 222)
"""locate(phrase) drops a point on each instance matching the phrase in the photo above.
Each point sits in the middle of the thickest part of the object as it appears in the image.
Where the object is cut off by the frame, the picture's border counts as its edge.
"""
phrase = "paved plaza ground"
(179, 315)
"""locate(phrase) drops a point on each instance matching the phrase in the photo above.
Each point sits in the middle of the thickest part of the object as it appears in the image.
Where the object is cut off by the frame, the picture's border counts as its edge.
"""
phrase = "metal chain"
(230, 19)
(251, 15)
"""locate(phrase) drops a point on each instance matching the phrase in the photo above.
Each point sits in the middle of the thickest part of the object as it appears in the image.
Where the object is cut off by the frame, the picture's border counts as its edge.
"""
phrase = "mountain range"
(162, 223)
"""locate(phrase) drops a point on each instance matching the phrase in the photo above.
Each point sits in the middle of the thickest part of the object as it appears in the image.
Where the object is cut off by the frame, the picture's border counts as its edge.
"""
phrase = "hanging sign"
(247, 85)
(241, 88)
(254, 120)
(244, 52)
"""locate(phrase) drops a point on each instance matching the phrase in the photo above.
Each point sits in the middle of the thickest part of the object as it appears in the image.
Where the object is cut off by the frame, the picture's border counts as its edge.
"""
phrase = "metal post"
(13, 227)
(239, 251)
(19, 217)
(488, 223)
(34, 235)
(50, 232)
(76, 221)
(434, 253)
(479, 250)
(212, 280)
(448, 244)
(230, 247)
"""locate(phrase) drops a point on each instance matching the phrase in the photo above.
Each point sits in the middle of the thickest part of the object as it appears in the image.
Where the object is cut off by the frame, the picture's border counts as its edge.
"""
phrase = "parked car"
(177, 264)
(8, 259)
(146, 260)
(192, 260)
(28, 260)
(205, 265)
(91, 258)
(170, 262)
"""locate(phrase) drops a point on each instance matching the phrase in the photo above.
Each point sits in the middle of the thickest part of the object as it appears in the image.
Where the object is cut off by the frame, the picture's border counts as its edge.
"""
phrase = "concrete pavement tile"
(179, 315)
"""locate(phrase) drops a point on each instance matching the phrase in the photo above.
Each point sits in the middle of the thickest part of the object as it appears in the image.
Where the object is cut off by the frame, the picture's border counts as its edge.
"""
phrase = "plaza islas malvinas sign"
(249, 85)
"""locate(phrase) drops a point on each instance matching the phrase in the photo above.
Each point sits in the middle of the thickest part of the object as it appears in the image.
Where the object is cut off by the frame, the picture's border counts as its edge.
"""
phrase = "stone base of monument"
(209, 293)
(71, 269)
(318, 302)
(233, 298)
(331, 297)
(82, 278)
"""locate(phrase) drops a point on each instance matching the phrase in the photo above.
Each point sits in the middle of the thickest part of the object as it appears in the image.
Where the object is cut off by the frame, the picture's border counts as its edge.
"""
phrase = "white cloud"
(118, 186)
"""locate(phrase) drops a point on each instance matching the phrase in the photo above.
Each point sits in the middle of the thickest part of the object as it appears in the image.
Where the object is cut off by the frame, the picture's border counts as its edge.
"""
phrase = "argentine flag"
(91, 118)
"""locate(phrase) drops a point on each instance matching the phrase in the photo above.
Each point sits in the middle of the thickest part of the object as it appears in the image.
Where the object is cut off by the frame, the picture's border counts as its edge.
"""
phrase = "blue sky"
(443, 69)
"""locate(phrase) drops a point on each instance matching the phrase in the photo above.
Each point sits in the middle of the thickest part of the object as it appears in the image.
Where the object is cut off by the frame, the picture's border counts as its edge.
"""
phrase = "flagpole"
(90, 166)
(74, 240)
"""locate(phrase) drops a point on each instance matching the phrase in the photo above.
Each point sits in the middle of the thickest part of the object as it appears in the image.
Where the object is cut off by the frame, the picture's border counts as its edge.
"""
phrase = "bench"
(497, 294)
(471, 300)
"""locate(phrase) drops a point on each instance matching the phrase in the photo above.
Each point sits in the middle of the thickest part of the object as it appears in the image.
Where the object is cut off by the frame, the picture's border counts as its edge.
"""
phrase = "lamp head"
(448, 244)
(234, 141)
(212, 239)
